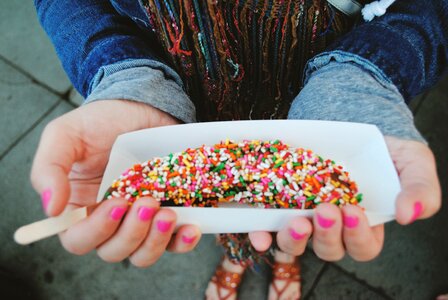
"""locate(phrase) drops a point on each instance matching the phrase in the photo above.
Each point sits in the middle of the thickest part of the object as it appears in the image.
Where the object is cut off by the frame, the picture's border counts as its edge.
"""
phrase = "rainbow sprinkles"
(267, 174)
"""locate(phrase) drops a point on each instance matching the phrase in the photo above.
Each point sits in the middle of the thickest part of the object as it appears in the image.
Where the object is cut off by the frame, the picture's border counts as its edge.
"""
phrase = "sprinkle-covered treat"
(266, 174)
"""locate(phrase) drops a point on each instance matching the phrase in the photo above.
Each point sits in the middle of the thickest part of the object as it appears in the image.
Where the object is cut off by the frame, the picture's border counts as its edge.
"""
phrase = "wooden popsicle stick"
(48, 227)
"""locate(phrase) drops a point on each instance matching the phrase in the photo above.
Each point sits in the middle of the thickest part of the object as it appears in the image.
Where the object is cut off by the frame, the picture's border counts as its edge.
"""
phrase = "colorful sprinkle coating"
(267, 174)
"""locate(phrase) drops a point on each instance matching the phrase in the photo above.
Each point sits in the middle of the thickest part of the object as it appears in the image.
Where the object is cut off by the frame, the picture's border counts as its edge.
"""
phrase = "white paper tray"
(359, 148)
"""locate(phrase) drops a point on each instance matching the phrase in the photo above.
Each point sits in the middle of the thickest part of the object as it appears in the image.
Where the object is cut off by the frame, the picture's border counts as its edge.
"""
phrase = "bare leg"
(214, 292)
(292, 287)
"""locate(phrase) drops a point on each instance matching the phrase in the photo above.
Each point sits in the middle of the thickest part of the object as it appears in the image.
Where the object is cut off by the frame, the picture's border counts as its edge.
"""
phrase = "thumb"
(260, 240)
(52, 163)
(420, 195)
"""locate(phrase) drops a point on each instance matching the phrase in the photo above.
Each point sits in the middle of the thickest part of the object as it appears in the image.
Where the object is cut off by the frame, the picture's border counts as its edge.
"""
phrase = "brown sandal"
(289, 272)
(226, 280)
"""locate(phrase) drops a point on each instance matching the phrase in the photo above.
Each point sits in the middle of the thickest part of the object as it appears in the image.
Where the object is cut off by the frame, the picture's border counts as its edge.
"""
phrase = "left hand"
(340, 230)
(67, 171)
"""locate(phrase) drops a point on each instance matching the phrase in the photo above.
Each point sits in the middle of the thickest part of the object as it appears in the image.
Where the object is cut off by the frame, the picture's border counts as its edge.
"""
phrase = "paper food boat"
(359, 148)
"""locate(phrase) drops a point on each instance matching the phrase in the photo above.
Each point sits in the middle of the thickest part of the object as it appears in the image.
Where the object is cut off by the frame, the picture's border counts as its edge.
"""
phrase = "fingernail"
(295, 235)
(163, 226)
(351, 221)
(188, 240)
(117, 213)
(146, 213)
(46, 197)
(324, 222)
(418, 209)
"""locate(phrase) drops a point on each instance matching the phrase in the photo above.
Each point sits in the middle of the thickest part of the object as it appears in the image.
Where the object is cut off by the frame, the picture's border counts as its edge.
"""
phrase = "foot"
(285, 283)
(225, 281)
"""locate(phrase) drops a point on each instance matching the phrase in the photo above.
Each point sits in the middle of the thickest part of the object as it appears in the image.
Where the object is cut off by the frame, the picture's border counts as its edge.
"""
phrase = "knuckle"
(326, 238)
(108, 257)
(182, 249)
(74, 248)
(103, 231)
(366, 257)
(352, 235)
(135, 237)
(331, 256)
(149, 259)
(291, 248)
(140, 263)
(149, 253)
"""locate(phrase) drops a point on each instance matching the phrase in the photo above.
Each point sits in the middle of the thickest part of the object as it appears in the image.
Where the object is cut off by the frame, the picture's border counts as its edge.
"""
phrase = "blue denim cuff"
(106, 71)
(325, 58)
(342, 86)
(145, 81)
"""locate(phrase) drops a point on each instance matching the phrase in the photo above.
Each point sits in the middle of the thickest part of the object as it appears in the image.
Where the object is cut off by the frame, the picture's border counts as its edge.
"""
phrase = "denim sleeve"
(409, 44)
(89, 34)
(345, 87)
(144, 81)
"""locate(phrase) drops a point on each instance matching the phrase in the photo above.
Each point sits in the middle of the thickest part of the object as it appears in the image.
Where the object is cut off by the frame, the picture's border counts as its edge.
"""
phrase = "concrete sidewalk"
(34, 90)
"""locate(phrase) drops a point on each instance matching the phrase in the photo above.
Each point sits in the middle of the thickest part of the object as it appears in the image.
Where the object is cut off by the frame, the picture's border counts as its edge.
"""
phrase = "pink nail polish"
(163, 226)
(146, 213)
(295, 235)
(117, 213)
(418, 209)
(351, 222)
(323, 222)
(46, 197)
(188, 240)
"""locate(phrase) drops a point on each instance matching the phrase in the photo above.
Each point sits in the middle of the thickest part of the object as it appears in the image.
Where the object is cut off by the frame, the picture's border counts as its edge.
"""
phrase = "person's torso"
(239, 59)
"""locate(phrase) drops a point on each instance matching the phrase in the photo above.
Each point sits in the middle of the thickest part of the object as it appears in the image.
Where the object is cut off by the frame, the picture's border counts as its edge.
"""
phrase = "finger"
(420, 195)
(131, 233)
(52, 163)
(186, 238)
(327, 236)
(156, 242)
(294, 237)
(363, 243)
(92, 231)
(260, 240)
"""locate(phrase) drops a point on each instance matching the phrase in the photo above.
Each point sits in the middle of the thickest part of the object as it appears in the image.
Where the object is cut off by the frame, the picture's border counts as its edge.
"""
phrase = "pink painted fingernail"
(117, 213)
(188, 240)
(295, 235)
(146, 213)
(164, 226)
(323, 222)
(351, 222)
(45, 197)
(418, 209)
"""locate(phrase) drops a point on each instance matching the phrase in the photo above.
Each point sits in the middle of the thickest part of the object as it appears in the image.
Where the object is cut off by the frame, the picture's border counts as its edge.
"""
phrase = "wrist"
(140, 115)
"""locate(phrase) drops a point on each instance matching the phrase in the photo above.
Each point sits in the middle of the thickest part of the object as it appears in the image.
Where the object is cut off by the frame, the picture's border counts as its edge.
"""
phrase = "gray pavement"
(34, 90)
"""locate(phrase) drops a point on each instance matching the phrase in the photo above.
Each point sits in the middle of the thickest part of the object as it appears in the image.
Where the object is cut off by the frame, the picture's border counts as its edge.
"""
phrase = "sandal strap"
(289, 272)
(226, 280)
(286, 271)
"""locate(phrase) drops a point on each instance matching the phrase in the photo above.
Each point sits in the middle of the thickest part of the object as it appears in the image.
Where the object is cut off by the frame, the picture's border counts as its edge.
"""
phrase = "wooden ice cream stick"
(45, 228)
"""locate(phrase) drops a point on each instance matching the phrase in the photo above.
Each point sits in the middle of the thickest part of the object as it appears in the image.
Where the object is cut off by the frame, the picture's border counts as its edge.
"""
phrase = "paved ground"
(34, 90)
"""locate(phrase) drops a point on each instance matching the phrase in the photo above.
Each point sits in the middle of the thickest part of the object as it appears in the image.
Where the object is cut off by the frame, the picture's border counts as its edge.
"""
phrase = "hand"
(340, 230)
(67, 171)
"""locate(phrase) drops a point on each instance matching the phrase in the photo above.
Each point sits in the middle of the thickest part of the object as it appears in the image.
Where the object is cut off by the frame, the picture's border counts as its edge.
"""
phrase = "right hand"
(337, 231)
(67, 171)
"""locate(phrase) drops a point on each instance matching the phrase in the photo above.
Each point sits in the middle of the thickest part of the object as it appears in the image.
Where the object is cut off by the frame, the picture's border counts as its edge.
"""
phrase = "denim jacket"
(405, 51)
